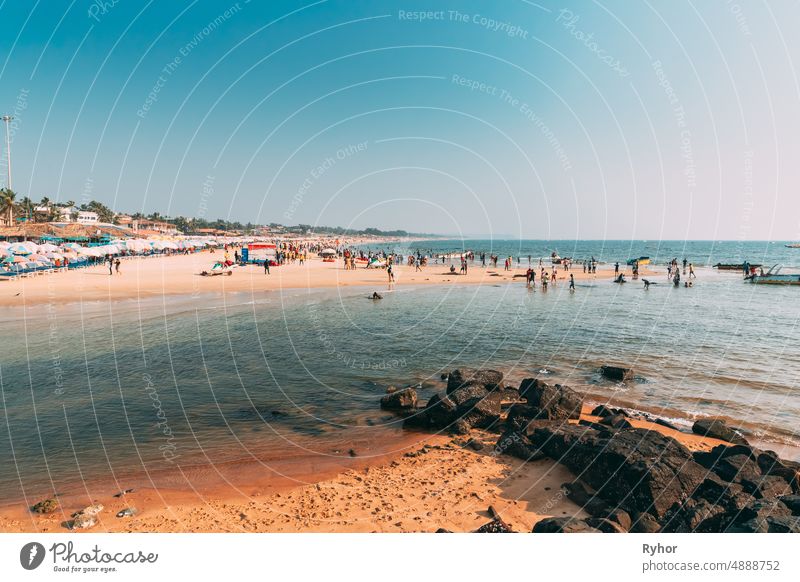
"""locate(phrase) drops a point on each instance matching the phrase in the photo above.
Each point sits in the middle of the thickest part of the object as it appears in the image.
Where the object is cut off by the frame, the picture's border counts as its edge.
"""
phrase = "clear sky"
(653, 119)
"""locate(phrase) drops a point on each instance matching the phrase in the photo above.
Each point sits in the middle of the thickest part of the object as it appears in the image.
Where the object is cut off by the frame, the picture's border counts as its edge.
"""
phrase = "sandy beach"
(439, 482)
(144, 278)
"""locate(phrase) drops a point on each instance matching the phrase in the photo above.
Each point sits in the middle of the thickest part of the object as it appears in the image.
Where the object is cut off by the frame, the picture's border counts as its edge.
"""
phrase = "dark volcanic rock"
(617, 421)
(605, 525)
(497, 525)
(45, 506)
(590, 502)
(770, 464)
(783, 524)
(645, 523)
(467, 393)
(405, 399)
(767, 486)
(737, 468)
(663, 422)
(792, 502)
(694, 516)
(563, 525)
(762, 509)
(602, 411)
(716, 428)
(437, 414)
(553, 402)
(637, 469)
(488, 379)
(718, 492)
(517, 444)
(617, 373)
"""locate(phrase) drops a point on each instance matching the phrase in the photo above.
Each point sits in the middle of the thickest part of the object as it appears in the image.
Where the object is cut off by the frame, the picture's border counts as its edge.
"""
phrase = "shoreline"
(422, 480)
(178, 276)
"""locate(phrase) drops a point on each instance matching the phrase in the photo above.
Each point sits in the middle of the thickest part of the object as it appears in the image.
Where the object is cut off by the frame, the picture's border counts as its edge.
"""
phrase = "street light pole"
(7, 119)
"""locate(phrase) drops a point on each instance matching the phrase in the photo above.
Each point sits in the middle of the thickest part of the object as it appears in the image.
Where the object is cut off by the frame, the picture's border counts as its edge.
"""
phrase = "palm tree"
(7, 205)
(27, 208)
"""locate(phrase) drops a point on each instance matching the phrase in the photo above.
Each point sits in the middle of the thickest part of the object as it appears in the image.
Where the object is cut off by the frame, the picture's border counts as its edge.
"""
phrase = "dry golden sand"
(143, 278)
(442, 483)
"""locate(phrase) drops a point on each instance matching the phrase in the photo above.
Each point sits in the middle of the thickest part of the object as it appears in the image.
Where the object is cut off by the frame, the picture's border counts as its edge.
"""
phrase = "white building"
(86, 217)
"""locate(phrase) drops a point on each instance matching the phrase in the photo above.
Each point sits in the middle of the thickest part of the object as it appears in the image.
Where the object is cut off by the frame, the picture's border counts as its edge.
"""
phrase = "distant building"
(65, 213)
(123, 219)
(87, 217)
(154, 226)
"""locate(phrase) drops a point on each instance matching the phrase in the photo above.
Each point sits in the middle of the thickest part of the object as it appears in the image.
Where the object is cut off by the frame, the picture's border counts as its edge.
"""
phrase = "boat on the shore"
(640, 260)
(793, 246)
(775, 277)
(735, 266)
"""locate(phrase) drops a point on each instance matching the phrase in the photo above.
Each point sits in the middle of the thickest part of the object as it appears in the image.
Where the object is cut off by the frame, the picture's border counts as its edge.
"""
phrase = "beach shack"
(257, 253)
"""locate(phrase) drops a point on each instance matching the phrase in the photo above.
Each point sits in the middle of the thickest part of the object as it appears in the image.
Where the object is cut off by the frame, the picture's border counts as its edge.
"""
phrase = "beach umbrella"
(58, 256)
(37, 257)
(48, 248)
(327, 252)
(22, 248)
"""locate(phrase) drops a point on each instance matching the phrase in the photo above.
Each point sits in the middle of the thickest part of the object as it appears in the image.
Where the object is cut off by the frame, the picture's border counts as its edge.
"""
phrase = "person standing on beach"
(691, 271)
(116, 266)
(584, 267)
(110, 265)
(390, 273)
(528, 277)
(266, 266)
(571, 283)
(616, 268)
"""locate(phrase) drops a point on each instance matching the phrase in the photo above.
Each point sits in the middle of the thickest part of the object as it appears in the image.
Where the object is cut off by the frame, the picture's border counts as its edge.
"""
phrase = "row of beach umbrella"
(30, 255)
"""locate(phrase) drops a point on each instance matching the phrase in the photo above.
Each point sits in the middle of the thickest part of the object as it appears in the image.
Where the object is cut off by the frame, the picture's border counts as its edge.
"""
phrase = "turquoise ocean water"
(99, 391)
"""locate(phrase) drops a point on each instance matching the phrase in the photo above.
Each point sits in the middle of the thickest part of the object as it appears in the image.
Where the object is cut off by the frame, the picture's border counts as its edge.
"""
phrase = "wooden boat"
(735, 266)
(640, 260)
(775, 277)
(793, 246)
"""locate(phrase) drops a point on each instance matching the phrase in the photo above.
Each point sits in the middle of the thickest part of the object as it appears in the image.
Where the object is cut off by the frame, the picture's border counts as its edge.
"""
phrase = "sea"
(108, 391)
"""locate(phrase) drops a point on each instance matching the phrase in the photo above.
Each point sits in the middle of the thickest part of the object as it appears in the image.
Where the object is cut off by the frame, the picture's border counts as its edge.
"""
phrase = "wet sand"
(146, 278)
(439, 482)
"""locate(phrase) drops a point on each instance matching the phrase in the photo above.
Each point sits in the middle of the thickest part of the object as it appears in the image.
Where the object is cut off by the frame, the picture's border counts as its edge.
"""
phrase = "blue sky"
(542, 120)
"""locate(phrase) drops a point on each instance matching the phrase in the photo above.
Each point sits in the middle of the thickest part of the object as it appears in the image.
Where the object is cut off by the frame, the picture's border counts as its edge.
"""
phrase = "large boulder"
(488, 379)
(770, 464)
(437, 414)
(563, 525)
(517, 444)
(638, 470)
(792, 502)
(693, 516)
(617, 373)
(476, 407)
(716, 428)
(465, 408)
(551, 402)
(595, 506)
(400, 400)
